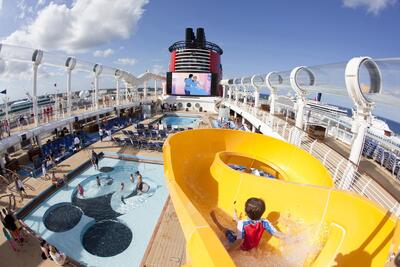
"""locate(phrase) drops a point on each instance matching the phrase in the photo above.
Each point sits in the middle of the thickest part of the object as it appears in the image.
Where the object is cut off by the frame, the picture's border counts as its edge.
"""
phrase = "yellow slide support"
(350, 229)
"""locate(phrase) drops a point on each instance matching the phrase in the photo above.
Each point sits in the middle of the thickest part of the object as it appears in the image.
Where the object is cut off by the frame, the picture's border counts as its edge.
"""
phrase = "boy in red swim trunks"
(252, 229)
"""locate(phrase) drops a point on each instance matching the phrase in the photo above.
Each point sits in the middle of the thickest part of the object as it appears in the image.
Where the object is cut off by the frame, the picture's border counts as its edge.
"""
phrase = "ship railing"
(345, 174)
(18, 125)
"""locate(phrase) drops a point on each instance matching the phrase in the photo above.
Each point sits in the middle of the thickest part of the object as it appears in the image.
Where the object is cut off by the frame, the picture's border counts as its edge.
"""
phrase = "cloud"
(158, 69)
(1, 4)
(372, 6)
(77, 28)
(103, 53)
(126, 61)
(15, 70)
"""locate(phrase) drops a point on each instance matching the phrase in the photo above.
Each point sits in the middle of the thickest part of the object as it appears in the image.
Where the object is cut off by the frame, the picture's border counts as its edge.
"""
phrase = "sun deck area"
(167, 244)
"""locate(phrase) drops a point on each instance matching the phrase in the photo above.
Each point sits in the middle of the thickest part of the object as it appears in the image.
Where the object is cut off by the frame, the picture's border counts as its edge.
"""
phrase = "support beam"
(70, 65)
(117, 93)
(155, 89)
(96, 92)
(145, 90)
(164, 88)
(97, 69)
(36, 60)
(272, 91)
(362, 118)
(69, 100)
(126, 92)
(223, 91)
(300, 92)
(34, 95)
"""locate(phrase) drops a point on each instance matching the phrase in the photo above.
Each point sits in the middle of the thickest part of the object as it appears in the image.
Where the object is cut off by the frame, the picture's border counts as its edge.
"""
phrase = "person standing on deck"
(20, 188)
(95, 160)
(101, 133)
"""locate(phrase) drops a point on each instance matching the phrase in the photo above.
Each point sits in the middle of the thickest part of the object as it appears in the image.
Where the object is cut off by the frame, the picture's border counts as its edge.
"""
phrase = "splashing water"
(299, 248)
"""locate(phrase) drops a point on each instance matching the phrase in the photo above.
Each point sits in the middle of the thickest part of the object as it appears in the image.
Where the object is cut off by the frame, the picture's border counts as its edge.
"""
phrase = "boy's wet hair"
(254, 208)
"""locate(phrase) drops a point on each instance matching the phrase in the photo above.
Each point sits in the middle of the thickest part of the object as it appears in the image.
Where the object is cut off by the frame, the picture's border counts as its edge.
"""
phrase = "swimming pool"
(101, 229)
(184, 121)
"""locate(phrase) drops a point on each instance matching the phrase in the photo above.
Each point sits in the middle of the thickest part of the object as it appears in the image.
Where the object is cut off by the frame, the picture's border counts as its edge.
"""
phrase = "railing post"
(312, 146)
(336, 171)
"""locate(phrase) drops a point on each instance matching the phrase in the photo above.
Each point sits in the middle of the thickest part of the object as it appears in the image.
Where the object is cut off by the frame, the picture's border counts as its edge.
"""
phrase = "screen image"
(198, 84)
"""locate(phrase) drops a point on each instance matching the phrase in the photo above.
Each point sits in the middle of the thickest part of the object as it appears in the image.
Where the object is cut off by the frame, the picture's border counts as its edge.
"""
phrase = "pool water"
(181, 121)
(107, 226)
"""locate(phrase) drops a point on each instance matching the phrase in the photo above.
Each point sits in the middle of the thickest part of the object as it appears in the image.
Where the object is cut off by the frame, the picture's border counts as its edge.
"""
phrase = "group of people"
(137, 190)
(47, 113)
(104, 133)
(58, 182)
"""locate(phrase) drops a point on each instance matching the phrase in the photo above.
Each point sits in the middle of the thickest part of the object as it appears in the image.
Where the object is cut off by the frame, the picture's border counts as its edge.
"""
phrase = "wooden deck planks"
(167, 246)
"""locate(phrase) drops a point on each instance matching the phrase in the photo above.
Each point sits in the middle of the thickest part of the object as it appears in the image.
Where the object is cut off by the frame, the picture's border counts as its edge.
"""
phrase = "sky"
(256, 36)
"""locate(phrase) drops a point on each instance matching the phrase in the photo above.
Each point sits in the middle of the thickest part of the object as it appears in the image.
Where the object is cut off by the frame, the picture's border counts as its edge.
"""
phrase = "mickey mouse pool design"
(106, 226)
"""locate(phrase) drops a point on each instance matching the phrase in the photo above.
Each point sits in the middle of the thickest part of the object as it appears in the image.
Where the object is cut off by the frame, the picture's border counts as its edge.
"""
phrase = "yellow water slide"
(348, 230)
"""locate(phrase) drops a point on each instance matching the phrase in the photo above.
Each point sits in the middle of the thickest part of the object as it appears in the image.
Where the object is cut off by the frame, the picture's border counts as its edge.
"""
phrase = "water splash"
(299, 248)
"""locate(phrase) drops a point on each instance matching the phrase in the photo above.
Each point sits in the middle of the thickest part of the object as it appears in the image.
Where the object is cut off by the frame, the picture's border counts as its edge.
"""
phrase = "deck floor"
(167, 246)
(380, 174)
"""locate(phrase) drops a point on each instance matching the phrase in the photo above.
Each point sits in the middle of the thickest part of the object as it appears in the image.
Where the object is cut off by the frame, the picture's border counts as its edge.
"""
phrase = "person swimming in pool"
(109, 180)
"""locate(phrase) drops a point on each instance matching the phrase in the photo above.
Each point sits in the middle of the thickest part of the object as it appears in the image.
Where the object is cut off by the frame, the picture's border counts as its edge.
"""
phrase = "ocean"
(393, 125)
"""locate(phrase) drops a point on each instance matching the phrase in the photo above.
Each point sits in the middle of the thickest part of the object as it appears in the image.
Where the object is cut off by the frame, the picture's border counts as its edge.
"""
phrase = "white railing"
(339, 167)
(58, 112)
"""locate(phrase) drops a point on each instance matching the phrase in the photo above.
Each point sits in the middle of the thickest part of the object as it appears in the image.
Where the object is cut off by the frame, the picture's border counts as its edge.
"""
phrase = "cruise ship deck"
(146, 170)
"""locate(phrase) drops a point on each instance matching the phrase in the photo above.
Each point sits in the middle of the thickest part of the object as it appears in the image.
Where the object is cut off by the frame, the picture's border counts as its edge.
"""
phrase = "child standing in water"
(139, 186)
(81, 191)
(252, 229)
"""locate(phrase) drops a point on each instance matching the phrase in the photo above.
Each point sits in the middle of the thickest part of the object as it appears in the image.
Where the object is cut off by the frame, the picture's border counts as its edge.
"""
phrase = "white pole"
(96, 92)
(155, 89)
(164, 88)
(117, 89)
(6, 99)
(300, 112)
(145, 90)
(126, 92)
(272, 96)
(256, 97)
(360, 129)
(69, 102)
(34, 94)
